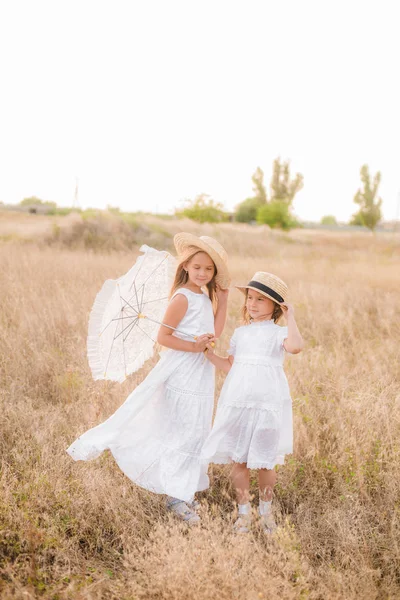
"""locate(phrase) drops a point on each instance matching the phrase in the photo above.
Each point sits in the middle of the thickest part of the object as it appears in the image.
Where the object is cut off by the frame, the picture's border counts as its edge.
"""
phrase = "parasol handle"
(142, 316)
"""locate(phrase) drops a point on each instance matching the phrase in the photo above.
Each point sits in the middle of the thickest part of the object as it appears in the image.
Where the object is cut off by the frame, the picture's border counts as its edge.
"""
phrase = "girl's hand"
(288, 309)
(201, 342)
(222, 295)
(210, 348)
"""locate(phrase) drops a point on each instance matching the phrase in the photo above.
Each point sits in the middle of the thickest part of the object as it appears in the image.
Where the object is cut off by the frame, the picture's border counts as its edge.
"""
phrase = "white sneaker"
(183, 512)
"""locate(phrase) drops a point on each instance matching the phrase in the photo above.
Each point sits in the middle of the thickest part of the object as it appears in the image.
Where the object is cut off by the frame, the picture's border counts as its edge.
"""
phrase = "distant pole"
(397, 217)
(76, 201)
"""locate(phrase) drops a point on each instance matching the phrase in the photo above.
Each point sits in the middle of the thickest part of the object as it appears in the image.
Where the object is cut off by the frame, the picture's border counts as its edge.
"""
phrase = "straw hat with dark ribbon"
(186, 242)
(268, 285)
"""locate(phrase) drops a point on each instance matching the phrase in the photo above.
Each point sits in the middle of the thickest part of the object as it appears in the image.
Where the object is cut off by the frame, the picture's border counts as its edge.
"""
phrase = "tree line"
(273, 207)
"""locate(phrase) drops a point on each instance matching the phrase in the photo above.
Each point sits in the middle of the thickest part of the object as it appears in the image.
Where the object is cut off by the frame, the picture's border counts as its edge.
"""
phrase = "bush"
(36, 202)
(106, 232)
(246, 211)
(328, 220)
(276, 214)
(63, 211)
(203, 209)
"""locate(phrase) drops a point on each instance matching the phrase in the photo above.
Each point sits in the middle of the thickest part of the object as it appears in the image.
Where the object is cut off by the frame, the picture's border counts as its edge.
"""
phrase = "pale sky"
(150, 102)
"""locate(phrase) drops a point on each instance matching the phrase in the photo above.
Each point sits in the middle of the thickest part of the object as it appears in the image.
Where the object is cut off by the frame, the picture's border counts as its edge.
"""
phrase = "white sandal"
(268, 523)
(242, 524)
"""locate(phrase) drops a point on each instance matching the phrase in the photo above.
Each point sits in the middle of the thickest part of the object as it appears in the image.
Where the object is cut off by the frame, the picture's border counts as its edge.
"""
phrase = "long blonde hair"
(246, 319)
(182, 277)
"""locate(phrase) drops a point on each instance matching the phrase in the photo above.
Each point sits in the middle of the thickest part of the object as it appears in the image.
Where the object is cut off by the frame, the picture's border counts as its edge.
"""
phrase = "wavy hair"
(181, 275)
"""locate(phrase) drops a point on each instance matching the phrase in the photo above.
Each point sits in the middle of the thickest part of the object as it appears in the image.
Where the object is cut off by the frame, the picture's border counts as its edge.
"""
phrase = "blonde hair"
(276, 313)
(182, 277)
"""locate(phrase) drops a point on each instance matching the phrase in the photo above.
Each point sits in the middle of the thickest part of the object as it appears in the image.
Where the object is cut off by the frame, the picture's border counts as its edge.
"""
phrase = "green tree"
(260, 193)
(246, 211)
(328, 220)
(31, 200)
(204, 210)
(276, 214)
(283, 190)
(356, 219)
(283, 187)
(367, 199)
(34, 201)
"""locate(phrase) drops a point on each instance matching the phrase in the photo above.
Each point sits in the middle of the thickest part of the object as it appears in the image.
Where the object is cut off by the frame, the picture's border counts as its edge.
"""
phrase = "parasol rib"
(145, 332)
(138, 271)
(127, 327)
(122, 324)
(118, 318)
(153, 271)
(112, 344)
(131, 327)
(133, 283)
(141, 300)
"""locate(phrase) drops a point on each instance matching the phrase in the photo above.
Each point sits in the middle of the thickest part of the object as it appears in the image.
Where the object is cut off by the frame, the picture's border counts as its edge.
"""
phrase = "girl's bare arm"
(220, 315)
(221, 363)
(294, 342)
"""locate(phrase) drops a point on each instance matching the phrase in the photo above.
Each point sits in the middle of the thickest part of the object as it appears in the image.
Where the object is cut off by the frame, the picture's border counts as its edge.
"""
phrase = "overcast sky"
(151, 102)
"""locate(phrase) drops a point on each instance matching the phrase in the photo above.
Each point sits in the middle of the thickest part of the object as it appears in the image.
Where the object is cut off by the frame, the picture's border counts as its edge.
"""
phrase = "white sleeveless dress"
(253, 423)
(156, 436)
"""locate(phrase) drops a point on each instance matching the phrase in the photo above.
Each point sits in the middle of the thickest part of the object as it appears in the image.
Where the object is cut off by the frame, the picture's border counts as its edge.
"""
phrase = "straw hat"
(268, 285)
(187, 241)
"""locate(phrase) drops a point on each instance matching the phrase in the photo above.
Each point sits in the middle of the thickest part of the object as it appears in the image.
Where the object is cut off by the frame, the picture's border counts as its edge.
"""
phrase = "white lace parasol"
(127, 314)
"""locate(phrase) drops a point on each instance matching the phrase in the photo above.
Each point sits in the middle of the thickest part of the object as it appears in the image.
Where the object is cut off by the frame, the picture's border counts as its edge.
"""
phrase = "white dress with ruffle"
(156, 436)
(253, 423)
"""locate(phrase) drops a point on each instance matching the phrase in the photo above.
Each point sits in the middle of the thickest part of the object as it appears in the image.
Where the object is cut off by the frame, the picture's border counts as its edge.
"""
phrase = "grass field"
(84, 531)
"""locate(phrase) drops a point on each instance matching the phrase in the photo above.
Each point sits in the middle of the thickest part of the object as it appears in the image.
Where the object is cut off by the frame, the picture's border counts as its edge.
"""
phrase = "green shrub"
(203, 209)
(328, 220)
(276, 214)
(246, 211)
(63, 211)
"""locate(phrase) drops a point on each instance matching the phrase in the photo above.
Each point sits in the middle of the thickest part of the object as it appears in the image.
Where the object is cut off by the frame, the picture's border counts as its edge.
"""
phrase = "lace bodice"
(260, 342)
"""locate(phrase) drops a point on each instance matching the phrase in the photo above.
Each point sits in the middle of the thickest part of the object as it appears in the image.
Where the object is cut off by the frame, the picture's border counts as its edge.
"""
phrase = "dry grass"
(83, 531)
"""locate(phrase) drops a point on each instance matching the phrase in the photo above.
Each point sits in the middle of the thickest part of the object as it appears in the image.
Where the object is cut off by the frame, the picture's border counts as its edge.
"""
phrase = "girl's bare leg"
(266, 482)
(241, 481)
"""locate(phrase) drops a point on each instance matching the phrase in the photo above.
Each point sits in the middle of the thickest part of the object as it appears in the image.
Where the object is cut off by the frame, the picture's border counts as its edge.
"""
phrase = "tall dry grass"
(83, 531)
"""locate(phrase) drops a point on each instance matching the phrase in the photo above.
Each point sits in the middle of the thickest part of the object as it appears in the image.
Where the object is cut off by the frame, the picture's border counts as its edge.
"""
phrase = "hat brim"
(183, 241)
(243, 288)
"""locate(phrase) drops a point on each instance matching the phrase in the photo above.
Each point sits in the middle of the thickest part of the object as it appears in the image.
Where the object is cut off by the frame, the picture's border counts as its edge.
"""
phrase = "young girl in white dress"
(156, 436)
(253, 424)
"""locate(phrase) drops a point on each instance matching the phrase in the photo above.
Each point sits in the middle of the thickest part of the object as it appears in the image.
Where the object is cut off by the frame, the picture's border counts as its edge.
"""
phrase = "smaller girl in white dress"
(253, 424)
